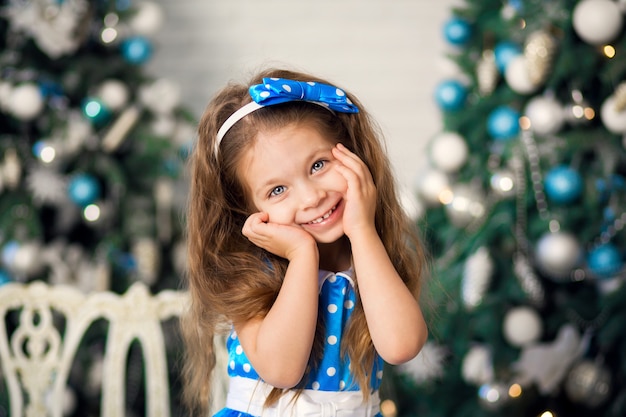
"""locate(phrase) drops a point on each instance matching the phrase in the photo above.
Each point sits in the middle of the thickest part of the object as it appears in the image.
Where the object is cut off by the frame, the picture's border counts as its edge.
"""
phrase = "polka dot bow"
(281, 90)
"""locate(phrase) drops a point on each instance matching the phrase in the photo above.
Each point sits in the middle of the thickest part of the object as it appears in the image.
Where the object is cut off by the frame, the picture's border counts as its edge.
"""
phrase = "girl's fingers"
(351, 161)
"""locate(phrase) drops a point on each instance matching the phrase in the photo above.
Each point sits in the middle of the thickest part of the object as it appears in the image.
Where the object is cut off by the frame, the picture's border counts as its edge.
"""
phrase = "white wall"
(389, 53)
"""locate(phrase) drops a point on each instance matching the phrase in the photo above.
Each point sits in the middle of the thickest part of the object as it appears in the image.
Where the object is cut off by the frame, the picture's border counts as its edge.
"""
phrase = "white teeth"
(324, 217)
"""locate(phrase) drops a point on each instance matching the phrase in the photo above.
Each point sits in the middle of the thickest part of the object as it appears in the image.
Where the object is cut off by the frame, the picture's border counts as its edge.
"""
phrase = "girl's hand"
(361, 194)
(281, 240)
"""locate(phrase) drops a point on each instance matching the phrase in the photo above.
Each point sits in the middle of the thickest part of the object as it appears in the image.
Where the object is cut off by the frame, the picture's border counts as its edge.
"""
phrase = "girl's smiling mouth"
(324, 216)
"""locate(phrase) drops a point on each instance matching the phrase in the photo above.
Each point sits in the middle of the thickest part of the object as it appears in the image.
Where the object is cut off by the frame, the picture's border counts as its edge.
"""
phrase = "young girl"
(299, 245)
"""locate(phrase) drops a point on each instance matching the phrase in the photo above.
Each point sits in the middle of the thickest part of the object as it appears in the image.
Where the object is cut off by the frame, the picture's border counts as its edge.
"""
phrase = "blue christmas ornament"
(95, 110)
(9, 250)
(136, 49)
(604, 261)
(503, 123)
(5, 278)
(563, 185)
(516, 4)
(123, 4)
(450, 95)
(84, 189)
(457, 31)
(505, 51)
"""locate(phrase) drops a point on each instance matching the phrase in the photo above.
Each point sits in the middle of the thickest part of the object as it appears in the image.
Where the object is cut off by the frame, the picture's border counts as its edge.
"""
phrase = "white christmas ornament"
(26, 101)
(597, 21)
(163, 125)
(557, 254)
(477, 275)
(467, 204)
(148, 18)
(114, 94)
(431, 184)
(46, 186)
(546, 364)
(76, 133)
(612, 118)
(522, 326)
(27, 260)
(162, 96)
(546, 115)
(52, 25)
(477, 367)
(427, 365)
(448, 151)
(518, 77)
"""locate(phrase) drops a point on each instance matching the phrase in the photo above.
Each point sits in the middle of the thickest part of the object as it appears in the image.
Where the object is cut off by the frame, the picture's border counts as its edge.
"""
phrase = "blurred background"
(504, 119)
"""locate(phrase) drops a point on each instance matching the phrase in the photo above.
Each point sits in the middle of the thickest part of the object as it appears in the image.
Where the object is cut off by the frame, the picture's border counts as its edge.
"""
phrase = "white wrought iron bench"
(36, 353)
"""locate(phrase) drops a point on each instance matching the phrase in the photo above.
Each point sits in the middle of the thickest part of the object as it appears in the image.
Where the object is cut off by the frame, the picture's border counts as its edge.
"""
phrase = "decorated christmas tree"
(92, 156)
(525, 204)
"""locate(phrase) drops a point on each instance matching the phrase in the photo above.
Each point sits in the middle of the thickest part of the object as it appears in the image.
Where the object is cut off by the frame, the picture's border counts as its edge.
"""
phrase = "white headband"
(234, 118)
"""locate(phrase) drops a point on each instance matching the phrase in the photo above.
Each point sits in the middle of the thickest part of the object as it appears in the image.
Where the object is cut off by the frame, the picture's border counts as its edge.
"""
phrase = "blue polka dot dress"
(336, 303)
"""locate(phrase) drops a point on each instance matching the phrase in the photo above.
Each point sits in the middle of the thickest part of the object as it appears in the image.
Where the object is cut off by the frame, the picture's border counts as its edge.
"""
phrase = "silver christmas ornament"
(557, 254)
(588, 383)
(502, 183)
(466, 205)
(539, 51)
(477, 275)
(487, 73)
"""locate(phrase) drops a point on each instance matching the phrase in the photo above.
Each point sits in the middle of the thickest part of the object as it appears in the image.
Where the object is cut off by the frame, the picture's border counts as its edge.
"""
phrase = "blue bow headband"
(281, 90)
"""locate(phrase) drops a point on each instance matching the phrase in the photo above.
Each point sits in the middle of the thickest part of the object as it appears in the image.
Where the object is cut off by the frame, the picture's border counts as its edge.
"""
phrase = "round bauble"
(588, 383)
(557, 254)
(25, 101)
(147, 19)
(504, 52)
(503, 123)
(545, 114)
(597, 21)
(605, 261)
(5, 277)
(467, 204)
(136, 50)
(457, 31)
(23, 258)
(430, 185)
(517, 76)
(95, 111)
(448, 151)
(563, 185)
(612, 118)
(477, 365)
(450, 95)
(161, 96)
(522, 326)
(83, 189)
(114, 94)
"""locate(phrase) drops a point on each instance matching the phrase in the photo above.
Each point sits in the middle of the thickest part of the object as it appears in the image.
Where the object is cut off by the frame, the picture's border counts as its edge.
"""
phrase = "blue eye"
(317, 166)
(277, 191)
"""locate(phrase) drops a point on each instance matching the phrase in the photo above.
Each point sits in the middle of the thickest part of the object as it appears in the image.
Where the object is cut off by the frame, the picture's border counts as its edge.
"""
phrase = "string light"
(609, 51)
(91, 212)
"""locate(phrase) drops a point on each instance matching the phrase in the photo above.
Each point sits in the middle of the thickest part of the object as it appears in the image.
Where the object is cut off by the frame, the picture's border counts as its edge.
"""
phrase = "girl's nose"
(311, 195)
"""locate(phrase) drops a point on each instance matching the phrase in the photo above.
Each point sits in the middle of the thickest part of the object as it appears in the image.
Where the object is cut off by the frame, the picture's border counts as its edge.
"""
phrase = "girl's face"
(290, 173)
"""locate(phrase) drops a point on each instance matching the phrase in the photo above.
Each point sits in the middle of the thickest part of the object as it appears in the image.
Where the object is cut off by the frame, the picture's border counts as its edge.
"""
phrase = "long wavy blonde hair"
(229, 279)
